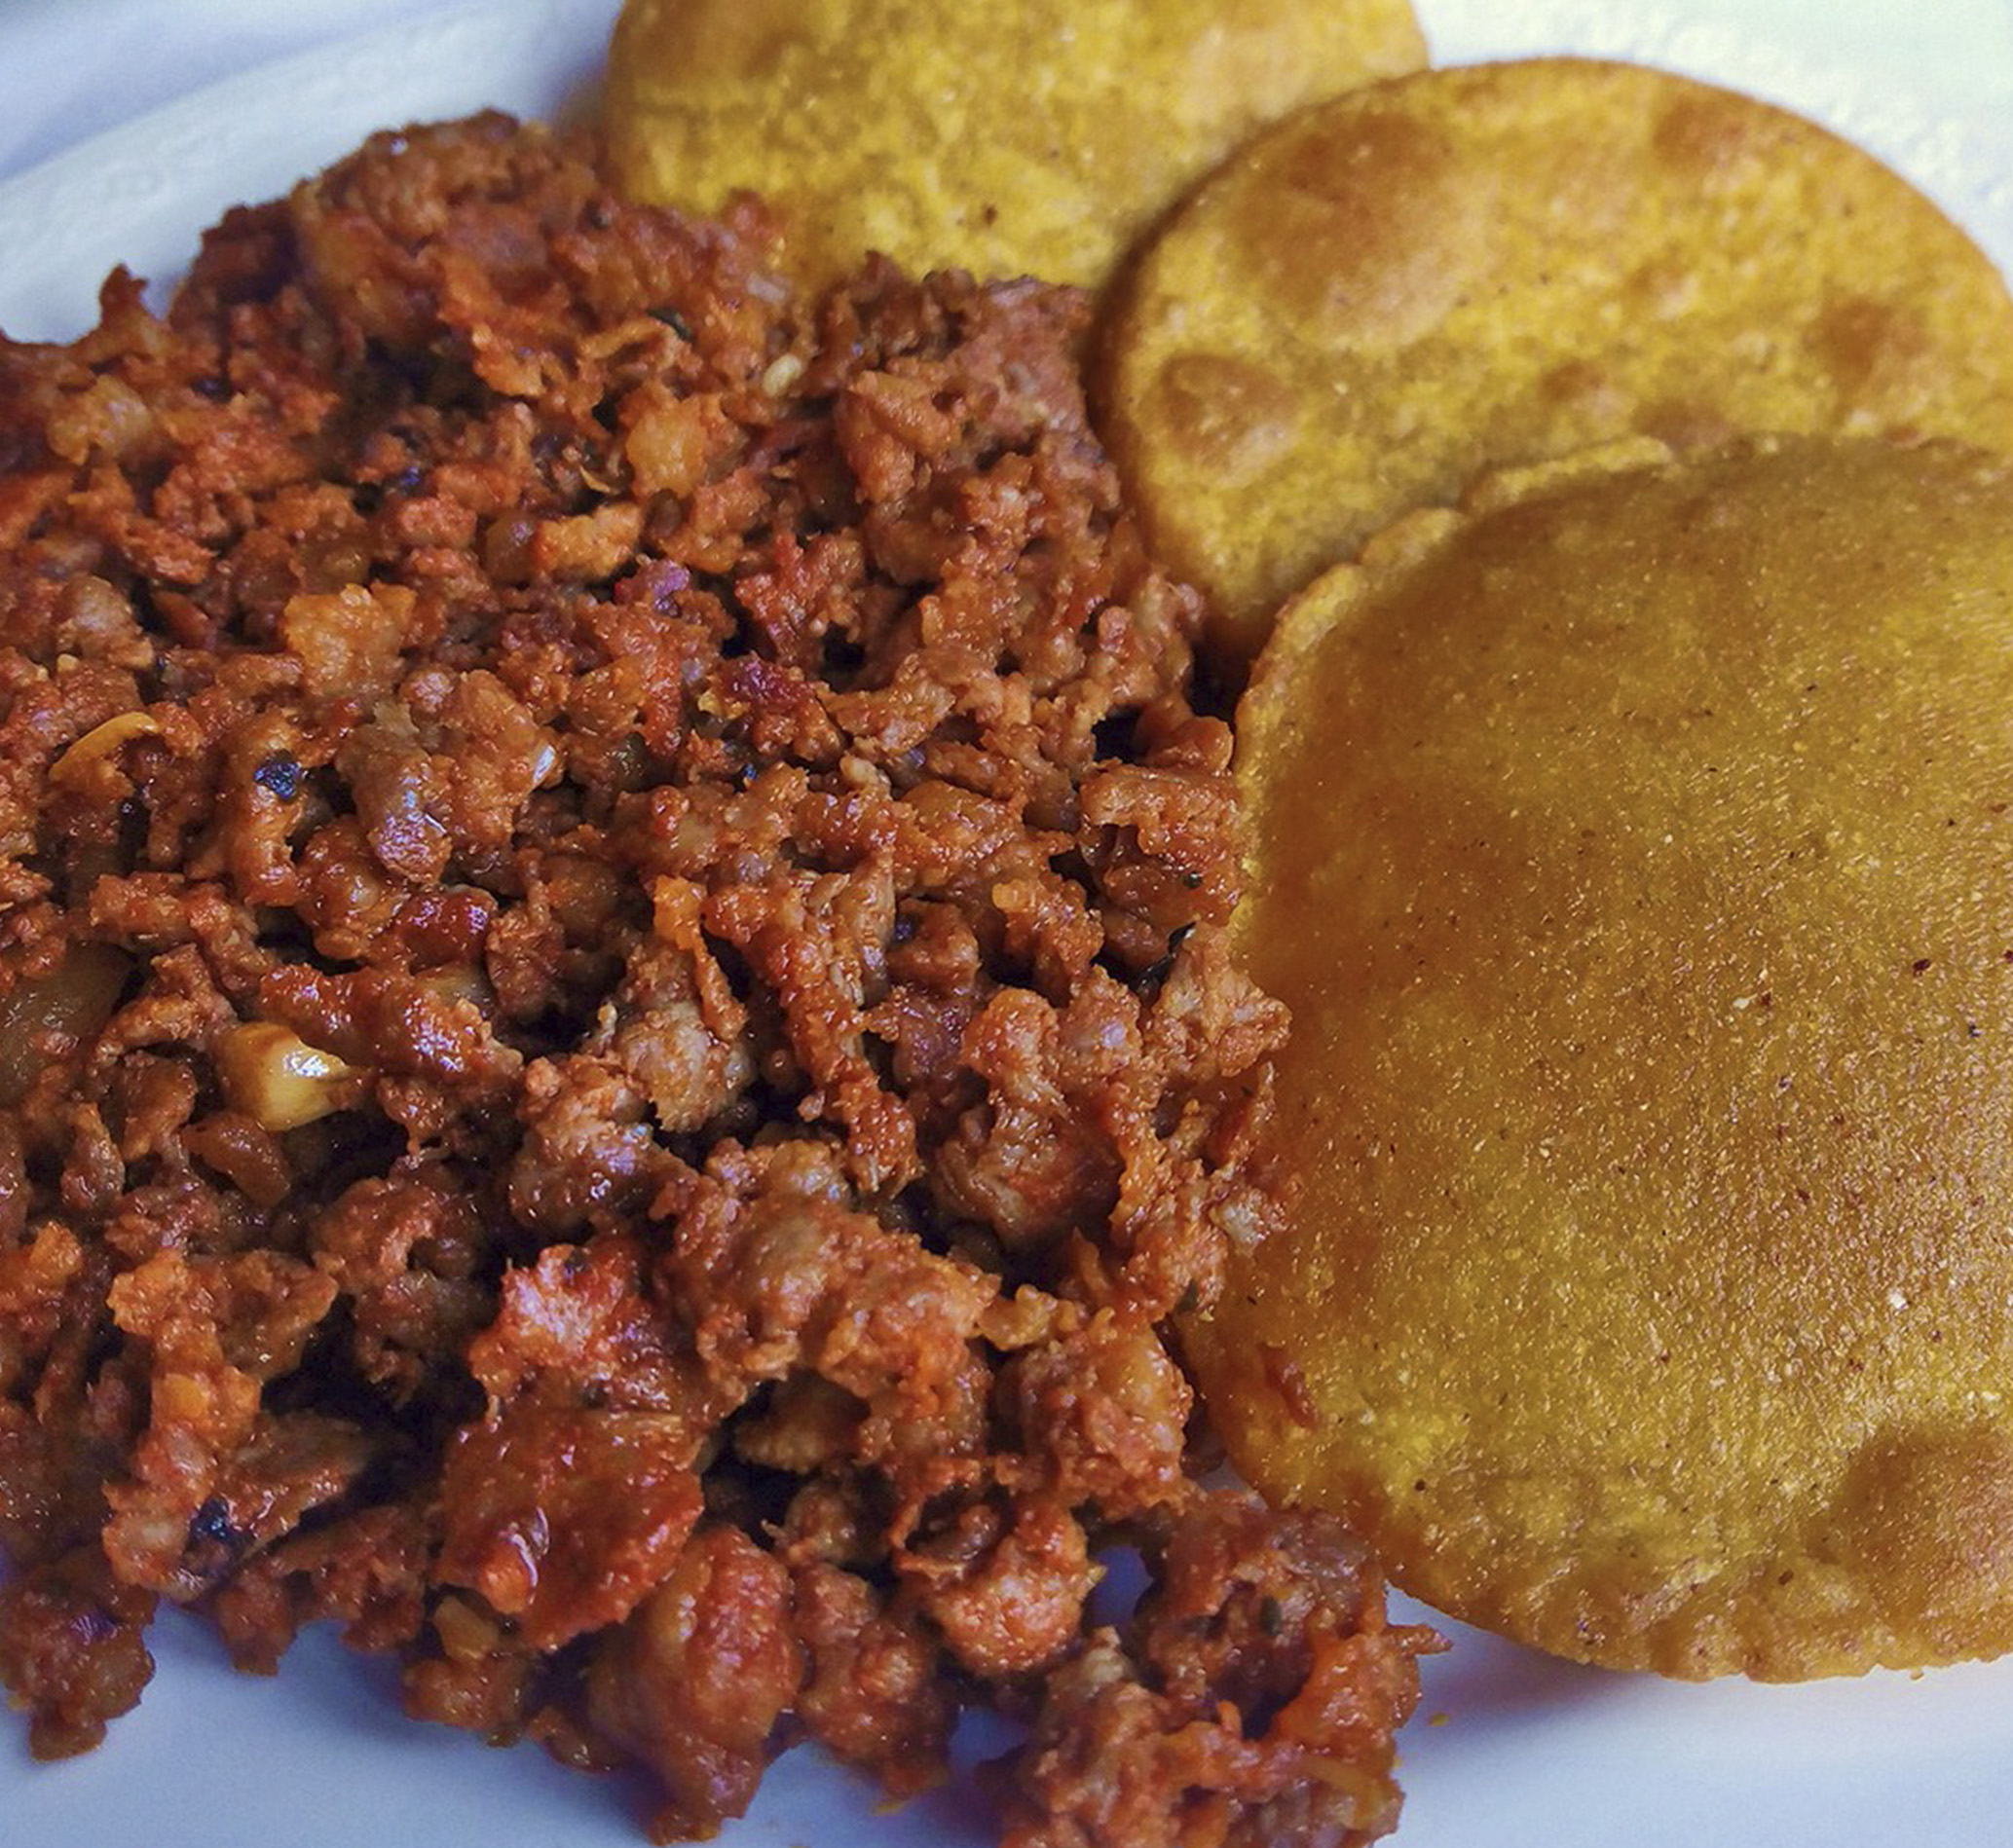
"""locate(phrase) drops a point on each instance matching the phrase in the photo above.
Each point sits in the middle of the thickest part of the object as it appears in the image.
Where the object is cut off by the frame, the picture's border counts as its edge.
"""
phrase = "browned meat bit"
(1251, 1700)
(614, 1033)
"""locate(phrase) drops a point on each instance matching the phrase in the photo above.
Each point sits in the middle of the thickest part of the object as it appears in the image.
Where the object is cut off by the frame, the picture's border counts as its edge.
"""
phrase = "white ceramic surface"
(125, 126)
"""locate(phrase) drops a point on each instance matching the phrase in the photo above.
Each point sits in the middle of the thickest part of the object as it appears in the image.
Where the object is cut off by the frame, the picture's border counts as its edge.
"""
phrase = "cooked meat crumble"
(615, 1036)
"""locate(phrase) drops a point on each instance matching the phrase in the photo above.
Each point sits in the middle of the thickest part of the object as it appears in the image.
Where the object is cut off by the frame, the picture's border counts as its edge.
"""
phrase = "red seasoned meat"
(616, 1043)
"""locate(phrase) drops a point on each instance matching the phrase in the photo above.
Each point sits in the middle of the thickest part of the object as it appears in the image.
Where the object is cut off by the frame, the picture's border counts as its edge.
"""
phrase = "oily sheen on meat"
(619, 1031)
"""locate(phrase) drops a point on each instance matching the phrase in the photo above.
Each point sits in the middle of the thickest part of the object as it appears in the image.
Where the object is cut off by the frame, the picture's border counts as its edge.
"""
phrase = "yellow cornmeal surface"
(1040, 137)
(1634, 853)
(1494, 265)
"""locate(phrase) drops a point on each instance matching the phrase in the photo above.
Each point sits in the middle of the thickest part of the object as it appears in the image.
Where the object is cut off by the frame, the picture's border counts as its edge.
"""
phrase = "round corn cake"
(1039, 138)
(1494, 265)
(1632, 851)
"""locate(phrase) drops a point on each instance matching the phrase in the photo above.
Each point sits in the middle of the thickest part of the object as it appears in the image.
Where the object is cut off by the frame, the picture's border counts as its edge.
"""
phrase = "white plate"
(1531, 1753)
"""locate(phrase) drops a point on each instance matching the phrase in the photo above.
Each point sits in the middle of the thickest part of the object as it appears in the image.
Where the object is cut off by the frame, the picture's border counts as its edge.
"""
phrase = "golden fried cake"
(1499, 264)
(1041, 137)
(1635, 852)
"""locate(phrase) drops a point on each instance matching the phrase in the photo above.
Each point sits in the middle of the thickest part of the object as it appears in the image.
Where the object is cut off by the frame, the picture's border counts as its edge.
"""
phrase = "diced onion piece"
(466, 1633)
(278, 1080)
(76, 998)
(781, 374)
(86, 753)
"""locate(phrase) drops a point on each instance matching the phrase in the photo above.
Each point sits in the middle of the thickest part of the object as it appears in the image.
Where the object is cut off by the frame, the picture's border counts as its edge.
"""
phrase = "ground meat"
(1250, 1701)
(616, 1043)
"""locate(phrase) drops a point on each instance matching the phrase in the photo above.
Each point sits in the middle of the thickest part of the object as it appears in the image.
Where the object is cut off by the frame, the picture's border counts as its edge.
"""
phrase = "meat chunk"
(619, 1042)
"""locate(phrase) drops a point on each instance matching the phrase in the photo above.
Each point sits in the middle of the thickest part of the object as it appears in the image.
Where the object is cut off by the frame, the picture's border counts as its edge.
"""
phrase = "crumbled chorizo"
(614, 1033)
